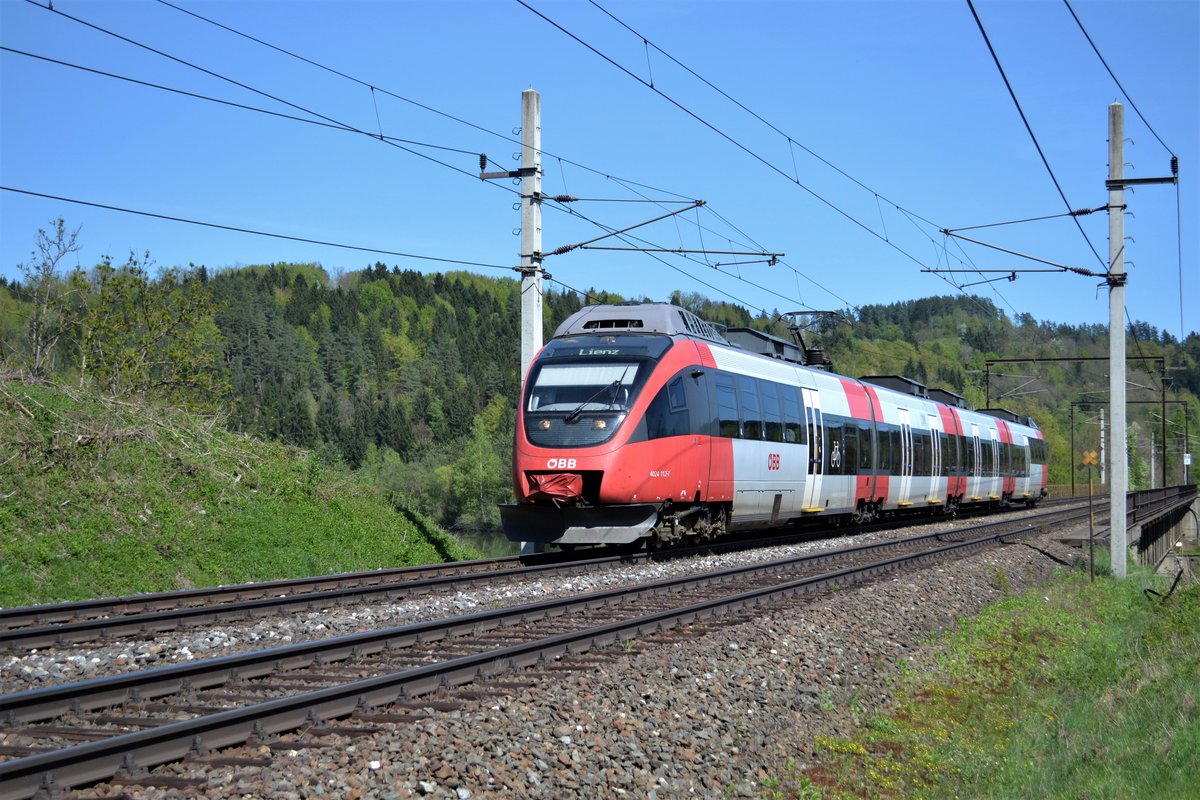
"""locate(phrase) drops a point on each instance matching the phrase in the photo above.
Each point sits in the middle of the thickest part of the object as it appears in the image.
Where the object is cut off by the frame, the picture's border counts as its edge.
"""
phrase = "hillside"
(409, 380)
(103, 498)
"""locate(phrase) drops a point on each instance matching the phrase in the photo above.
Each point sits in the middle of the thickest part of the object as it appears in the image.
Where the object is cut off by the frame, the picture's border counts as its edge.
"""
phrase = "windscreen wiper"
(612, 387)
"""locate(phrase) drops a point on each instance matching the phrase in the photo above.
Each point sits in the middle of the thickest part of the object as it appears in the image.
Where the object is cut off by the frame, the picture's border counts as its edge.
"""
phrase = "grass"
(1077, 690)
(99, 498)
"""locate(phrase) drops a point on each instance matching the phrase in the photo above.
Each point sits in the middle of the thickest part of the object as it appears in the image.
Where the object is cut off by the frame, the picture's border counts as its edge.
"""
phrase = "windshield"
(583, 387)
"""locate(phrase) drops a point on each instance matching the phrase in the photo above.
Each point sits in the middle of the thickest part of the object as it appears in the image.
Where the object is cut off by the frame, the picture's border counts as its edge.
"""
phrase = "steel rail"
(23, 616)
(256, 600)
(46, 703)
(99, 760)
(160, 621)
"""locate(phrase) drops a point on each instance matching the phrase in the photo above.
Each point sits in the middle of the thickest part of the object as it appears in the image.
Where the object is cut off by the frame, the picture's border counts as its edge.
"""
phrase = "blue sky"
(903, 97)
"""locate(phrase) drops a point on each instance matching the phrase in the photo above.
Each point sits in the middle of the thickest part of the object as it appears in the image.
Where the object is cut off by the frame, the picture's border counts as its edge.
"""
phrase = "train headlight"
(600, 424)
(544, 424)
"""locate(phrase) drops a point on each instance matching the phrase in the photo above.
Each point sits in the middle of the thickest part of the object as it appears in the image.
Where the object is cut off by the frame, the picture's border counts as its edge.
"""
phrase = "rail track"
(81, 733)
(106, 619)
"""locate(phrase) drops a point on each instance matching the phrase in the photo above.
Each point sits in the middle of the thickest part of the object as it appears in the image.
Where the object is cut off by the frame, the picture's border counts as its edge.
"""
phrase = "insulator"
(1174, 165)
(483, 162)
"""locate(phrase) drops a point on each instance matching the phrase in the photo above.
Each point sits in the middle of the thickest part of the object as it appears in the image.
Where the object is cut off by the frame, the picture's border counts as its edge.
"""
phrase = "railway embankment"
(101, 497)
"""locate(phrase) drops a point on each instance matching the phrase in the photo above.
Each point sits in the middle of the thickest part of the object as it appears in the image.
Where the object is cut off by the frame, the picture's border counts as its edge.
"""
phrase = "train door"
(814, 423)
(1021, 467)
(906, 459)
(937, 484)
(754, 459)
(997, 482)
(974, 476)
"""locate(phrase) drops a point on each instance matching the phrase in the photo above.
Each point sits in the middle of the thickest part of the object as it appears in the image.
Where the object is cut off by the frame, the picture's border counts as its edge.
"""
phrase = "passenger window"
(833, 437)
(793, 419)
(850, 449)
(752, 425)
(727, 407)
(771, 412)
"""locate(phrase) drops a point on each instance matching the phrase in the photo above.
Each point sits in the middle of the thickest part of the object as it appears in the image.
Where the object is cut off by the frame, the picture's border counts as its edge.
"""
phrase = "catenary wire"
(235, 229)
(337, 124)
(1112, 75)
(232, 104)
(239, 84)
(270, 96)
(426, 107)
(716, 130)
(373, 88)
(1012, 93)
(403, 99)
(908, 213)
(727, 137)
(751, 112)
(1154, 133)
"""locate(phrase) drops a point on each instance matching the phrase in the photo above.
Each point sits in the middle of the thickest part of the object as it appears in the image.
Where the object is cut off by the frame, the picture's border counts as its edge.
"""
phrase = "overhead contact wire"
(749, 111)
(252, 231)
(394, 95)
(624, 181)
(231, 103)
(716, 130)
(1029, 129)
(239, 84)
(1113, 75)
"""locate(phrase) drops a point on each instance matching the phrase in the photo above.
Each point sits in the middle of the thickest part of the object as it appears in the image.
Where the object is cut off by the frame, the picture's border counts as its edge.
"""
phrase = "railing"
(1158, 512)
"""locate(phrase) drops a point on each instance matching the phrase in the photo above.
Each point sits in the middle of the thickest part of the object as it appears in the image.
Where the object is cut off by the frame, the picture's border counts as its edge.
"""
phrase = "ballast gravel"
(69, 663)
(702, 712)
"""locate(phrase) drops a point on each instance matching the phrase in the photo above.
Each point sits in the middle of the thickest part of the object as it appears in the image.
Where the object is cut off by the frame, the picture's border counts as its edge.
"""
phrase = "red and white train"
(642, 421)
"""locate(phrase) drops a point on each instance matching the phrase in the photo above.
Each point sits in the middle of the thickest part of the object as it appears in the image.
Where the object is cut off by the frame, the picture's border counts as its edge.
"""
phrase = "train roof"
(765, 344)
(898, 383)
(639, 318)
(1009, 416)
(948, 398)
(664, 318)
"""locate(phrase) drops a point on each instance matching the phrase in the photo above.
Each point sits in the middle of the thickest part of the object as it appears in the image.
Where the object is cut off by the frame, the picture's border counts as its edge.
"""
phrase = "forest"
(411, 377)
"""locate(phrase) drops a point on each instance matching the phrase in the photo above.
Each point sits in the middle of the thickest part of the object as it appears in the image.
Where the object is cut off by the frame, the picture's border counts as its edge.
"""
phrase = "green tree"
(141, 335)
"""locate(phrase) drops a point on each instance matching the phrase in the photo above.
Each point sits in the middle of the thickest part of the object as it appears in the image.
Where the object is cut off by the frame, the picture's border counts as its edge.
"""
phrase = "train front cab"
(612, 427)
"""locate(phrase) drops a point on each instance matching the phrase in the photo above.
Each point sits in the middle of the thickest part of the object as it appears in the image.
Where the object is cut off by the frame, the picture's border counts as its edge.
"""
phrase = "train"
(641, 423)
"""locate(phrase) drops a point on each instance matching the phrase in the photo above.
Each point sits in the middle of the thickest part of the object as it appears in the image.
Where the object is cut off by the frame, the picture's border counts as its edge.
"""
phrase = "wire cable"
(232, 104)
(374, 88)
(403, 99)
(1154, 133)
(254, 232)
(428, 108)
(1029, 129)
(749, 111)
(717, 130)
(239, 84)
(1112, 75)
(1078, 213)
(737, 143)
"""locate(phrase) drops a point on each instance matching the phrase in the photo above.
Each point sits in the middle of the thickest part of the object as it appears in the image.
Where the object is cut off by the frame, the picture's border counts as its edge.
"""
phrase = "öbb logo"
(560, 463)
(773, 461)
